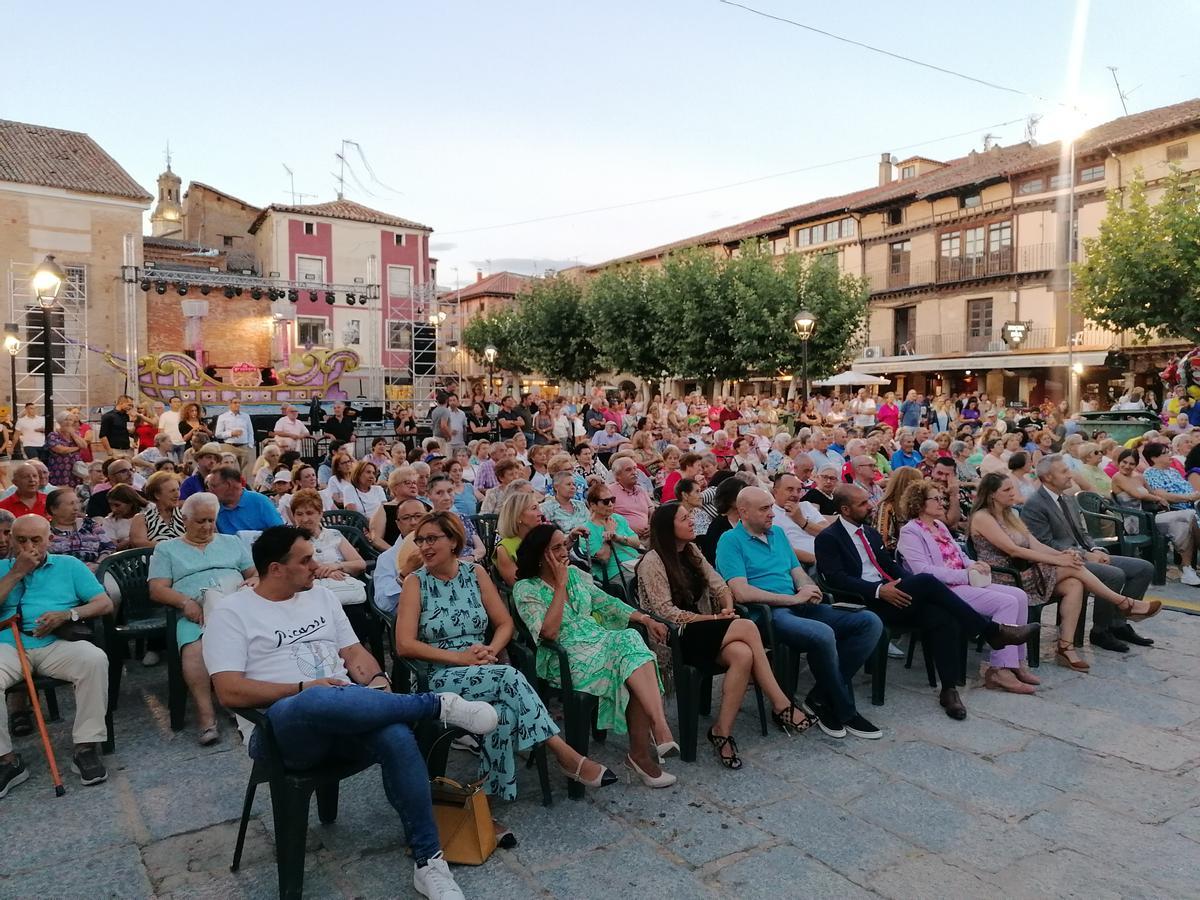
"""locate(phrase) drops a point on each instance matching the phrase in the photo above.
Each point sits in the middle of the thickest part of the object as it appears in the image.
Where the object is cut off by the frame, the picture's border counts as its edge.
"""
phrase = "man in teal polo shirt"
(756, 558)
(48, 591)
(241, 510)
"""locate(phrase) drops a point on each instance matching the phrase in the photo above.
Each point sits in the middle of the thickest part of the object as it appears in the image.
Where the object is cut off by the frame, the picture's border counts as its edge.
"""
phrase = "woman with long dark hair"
(607, 658)
(678, 585)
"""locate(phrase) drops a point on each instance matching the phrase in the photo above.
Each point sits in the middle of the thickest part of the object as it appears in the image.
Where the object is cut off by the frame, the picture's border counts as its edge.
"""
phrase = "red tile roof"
(339, 209)
(499, 284)
(51, 157)
(976, 168)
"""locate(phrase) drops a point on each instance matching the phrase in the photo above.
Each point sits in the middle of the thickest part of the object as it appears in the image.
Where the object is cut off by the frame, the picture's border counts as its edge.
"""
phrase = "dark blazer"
(1045, 520)
(841, 566)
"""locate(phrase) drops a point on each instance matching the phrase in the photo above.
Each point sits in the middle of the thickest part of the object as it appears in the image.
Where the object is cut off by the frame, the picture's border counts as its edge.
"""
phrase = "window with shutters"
(400, 281)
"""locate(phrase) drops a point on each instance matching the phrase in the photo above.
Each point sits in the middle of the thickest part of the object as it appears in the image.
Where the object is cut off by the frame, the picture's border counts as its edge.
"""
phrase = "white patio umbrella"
(851, 378)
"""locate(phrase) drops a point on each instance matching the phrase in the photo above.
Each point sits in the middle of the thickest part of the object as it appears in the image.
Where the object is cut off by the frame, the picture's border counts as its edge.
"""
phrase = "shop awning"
(982, 362)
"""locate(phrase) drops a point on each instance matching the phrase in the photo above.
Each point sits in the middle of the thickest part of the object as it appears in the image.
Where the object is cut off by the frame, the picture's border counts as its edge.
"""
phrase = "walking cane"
(14, 623)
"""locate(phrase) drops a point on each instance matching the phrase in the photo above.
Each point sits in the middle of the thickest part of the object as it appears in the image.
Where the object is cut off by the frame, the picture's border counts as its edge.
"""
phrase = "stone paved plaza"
(1090, 789)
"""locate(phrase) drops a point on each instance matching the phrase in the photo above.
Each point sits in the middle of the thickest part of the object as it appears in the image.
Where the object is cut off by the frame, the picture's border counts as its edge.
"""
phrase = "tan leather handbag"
(464, 821)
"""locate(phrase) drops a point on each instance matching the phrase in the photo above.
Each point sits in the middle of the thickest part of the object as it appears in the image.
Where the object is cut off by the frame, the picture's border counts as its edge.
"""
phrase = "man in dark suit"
(1054, 518)
(851, 557)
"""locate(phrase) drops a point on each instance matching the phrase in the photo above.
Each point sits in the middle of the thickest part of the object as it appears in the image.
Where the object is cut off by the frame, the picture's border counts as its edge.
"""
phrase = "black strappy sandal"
(786, 720)
(719, 744)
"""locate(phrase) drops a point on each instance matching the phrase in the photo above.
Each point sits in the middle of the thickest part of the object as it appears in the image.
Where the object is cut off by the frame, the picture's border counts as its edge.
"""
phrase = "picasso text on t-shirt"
(295, 634)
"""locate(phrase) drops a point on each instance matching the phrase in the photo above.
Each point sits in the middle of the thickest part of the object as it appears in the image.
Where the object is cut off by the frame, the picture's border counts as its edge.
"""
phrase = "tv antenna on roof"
(292, 190)
(1031, 124)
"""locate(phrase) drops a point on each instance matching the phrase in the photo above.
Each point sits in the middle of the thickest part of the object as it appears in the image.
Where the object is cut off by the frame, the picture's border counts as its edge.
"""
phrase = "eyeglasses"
(427, 539)
(936, 498)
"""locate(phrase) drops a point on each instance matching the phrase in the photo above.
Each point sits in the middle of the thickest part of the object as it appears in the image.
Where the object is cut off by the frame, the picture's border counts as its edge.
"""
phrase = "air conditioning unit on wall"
(872, 352)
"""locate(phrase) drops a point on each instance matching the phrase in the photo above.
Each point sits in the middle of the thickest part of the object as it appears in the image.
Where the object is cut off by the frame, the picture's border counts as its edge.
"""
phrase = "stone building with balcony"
(965, 256)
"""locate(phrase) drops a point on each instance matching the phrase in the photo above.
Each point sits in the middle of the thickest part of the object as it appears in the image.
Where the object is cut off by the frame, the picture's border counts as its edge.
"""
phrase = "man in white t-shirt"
(286, 647)
(800, 520)
(289, 430)
(168, 424)
(32, 429)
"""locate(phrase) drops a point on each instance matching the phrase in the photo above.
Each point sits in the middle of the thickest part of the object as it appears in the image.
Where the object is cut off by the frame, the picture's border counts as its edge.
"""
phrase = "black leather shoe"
(1008, 635)
(1126, 633)
(953, 704)
(1106, 641)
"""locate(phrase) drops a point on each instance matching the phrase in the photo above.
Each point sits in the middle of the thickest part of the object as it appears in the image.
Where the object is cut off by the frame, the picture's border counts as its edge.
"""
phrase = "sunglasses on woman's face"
(607, 501)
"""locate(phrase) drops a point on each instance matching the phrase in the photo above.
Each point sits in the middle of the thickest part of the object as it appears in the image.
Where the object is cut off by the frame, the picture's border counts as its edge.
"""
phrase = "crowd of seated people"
(596, 524)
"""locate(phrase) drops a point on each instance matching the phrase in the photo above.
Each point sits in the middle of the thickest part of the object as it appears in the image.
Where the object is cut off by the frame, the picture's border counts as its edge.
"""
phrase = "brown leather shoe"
(953, 704)
(1009, 635)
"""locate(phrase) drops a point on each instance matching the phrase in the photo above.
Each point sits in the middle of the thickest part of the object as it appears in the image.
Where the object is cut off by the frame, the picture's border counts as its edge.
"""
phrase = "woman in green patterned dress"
(445, 609)
(608, 659)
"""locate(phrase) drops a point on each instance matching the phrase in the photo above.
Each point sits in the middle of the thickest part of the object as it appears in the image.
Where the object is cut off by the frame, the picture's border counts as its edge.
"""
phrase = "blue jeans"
(837, 642)
(356, 724)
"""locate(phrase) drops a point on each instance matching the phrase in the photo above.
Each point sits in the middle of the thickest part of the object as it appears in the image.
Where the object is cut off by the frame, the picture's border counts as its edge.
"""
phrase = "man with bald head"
(757, 560)
(27, 499)
(865, 473)
(851, 558)
(48, 591)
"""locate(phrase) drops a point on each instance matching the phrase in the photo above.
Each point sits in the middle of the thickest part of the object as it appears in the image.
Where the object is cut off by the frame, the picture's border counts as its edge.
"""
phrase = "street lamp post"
(48, 279)
(1072, 375)
(12, 343)
(489, 353)
(805, 323)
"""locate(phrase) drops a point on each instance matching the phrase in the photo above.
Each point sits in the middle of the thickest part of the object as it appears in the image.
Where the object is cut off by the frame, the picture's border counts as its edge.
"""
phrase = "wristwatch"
(75, 617)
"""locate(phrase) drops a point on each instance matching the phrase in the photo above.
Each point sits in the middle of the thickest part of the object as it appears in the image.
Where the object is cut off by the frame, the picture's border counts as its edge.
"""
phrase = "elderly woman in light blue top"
(181, 570)
(561, 508)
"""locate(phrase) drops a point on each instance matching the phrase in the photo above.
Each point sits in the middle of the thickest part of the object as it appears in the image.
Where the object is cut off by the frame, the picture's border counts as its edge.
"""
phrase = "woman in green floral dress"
(445, 609)
(608, 659)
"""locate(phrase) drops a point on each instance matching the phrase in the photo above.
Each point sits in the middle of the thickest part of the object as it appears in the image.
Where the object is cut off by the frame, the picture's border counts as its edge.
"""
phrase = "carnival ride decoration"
(314, 375)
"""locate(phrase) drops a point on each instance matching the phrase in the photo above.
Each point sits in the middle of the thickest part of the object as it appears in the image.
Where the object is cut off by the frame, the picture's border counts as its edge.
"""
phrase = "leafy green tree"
(554, 316)
(626, 324)
(1142, 273)
(699, 339)
(504, 331)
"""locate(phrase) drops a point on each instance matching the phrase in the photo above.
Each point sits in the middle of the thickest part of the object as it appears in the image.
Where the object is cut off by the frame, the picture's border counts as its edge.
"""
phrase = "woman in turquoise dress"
(608, 659)
(446, 608)
(181, 570)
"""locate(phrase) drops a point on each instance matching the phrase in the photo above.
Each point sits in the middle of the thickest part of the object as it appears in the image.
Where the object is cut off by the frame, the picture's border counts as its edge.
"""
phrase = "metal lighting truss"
(68, 338)
(193, 278)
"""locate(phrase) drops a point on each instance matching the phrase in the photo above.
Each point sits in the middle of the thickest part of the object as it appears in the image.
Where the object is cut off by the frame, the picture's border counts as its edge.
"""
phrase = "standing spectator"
(456, 420)
(863, 409)
(114, 428)
(32, 431)
(64, 448)
(235, 431)
(888, 413)
(508, 419)
(145, 427)
(910, 410)
(340, 426)
(191, 423)
(168, 424)
(289, 430)
(439, 418)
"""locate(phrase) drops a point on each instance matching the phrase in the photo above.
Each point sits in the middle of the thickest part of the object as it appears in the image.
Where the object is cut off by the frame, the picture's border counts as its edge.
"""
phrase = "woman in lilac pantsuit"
(927, 546)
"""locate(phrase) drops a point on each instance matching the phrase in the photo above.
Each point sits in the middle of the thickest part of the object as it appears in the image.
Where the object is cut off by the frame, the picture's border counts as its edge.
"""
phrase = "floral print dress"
(453, 618)
(601, 649)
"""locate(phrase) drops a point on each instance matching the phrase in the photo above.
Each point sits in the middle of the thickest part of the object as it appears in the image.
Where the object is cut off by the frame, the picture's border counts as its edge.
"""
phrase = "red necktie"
(871, 556)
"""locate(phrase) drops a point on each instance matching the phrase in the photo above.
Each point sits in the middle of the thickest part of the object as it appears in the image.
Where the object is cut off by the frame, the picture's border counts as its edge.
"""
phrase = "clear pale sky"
(481, 114)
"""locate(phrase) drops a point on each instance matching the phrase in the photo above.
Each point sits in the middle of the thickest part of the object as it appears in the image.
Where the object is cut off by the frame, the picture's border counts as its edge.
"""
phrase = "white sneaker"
(895, 652)
(466, 742)
(152, 659)
(474, 716)
(1189, 577)
(433, 879)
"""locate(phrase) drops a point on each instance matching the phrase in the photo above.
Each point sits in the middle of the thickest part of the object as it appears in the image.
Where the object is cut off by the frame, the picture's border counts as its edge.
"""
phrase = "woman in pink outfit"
(927, 546)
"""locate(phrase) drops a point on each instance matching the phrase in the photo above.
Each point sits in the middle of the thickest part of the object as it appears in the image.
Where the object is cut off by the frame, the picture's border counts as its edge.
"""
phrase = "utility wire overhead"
(908, 59)
(721, 187)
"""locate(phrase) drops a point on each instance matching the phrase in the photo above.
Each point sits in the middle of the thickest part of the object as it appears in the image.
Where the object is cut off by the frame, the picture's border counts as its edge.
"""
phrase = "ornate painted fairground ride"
(315, 375)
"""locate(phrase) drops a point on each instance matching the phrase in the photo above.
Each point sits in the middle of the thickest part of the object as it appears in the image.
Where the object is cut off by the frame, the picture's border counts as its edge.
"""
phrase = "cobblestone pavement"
(1089, 789)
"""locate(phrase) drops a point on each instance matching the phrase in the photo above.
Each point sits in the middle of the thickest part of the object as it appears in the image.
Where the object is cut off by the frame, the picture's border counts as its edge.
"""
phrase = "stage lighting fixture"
(181, 287)
(146, 284)
(293, 296)
(256, 293)
(229, 292)
(205, 288)
(160, 287)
